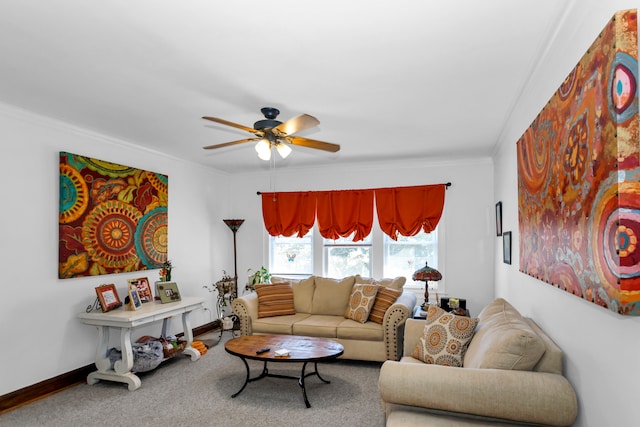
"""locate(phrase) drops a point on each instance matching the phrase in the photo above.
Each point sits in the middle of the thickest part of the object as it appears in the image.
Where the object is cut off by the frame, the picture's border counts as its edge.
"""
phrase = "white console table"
(125, 321)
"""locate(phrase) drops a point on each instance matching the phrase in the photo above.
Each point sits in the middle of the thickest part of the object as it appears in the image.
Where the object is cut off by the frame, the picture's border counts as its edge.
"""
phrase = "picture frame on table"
(499, 219)
(141, 284)
(134, 299)
(506, 247)
(108, 297)
(168, 292)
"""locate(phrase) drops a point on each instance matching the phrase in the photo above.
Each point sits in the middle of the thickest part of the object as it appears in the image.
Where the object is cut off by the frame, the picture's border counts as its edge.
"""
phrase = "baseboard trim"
(53, 385)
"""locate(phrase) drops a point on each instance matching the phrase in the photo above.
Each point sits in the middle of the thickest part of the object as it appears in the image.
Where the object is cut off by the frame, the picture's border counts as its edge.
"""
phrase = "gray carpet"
(182, 392)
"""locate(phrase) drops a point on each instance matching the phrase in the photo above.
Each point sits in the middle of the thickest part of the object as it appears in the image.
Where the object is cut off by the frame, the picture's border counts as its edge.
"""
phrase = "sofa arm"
(393, 323)
(246, 308)
(524, 396)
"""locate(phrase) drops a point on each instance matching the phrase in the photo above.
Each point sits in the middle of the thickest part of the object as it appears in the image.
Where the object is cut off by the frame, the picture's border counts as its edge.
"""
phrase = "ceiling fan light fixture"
(283, 149)
(263, 147)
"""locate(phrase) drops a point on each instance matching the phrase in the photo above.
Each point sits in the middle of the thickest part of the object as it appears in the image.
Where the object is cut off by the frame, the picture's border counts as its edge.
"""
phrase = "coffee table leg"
(301, 383)
(318, 374)
(247, 380)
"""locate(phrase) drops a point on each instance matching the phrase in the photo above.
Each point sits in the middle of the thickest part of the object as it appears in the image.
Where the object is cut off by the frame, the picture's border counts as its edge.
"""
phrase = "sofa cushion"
(503, 340)
(395, 283)
(384, 299)
(274, 299)
(318, 325)
(302, 292)
(277, 325)
(360, 302)
(331, 296)
(351, 330)
(445, 338)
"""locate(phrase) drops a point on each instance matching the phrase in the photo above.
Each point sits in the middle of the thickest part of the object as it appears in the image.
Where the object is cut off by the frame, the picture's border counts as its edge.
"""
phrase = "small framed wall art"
(499, 219)
(142, 286)
(108, 297)
(168, 292)
(506, 247)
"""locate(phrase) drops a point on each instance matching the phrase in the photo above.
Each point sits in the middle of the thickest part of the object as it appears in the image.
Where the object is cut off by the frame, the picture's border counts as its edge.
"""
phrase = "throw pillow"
(274, 299)
(331, 296)
(445, 338)
(504, 340)
(360, 303)
(384, 299)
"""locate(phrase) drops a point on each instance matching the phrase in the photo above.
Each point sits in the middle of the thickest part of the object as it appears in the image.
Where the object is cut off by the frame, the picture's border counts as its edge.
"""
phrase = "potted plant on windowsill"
(261, 275)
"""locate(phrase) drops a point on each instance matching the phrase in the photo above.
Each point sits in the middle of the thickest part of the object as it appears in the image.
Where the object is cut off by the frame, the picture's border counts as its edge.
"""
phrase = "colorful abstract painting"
(579, 177)
(113, 218)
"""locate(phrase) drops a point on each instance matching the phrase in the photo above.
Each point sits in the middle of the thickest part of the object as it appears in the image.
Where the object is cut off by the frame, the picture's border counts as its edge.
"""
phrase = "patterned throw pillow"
(445, 338)
(384, 299)
(274, 299)
(360, 303)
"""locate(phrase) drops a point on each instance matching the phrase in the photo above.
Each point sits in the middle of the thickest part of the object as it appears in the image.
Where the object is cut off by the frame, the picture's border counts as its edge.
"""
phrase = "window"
(407, 254)
(291, 256)
(376, 256)
(344, 257)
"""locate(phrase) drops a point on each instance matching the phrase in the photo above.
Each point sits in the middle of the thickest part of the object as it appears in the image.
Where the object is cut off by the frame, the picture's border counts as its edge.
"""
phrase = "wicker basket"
(176, 347)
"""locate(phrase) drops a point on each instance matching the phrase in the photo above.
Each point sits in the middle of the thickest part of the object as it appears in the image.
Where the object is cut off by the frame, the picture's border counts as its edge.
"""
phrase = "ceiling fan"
(270, 133)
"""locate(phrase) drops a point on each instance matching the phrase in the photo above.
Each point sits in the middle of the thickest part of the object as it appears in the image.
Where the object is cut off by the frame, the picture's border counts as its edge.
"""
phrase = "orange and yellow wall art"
(579, 177)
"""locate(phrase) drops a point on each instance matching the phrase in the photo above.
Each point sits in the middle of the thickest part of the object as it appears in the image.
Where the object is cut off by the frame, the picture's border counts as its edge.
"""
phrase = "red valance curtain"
(341, 213)
(286, 214)
(407, 210)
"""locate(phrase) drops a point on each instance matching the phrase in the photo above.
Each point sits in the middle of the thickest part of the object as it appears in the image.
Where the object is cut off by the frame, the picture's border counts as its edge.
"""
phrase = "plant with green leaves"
(261, 275)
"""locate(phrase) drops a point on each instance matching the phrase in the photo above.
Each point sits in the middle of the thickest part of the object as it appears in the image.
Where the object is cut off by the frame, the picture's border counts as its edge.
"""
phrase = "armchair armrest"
(524, 396)
(246, 308)
(393, 323)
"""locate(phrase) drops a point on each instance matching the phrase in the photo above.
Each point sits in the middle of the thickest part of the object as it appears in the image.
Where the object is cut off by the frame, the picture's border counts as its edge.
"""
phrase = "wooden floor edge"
(53, 385)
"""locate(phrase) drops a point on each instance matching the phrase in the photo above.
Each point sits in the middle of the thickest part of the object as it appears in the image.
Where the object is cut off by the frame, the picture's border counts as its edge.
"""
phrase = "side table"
(124, 322)
(419, 313)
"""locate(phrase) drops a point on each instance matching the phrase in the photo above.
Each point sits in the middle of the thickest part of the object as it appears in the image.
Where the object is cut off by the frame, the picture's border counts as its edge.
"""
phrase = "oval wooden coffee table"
(301, 350)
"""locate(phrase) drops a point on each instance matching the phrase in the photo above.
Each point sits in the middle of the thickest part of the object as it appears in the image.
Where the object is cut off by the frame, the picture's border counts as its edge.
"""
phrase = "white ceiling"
(387, 79)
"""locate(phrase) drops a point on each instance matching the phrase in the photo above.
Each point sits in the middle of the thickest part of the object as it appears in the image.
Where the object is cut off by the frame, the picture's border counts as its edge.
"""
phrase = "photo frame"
(134, 299)
(506, 247)
(168, 292)
(108, 297)
(141, 284)
(499, 219)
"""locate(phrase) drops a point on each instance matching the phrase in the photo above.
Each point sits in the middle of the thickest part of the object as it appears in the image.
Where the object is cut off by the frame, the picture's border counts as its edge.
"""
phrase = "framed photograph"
(168, 292)
(134, 299)
(506, 247)
(142, 286)
(108, 297)
(499, 219)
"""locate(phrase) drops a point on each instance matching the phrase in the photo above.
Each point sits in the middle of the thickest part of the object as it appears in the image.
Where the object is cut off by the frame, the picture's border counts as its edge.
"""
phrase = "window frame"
(377, 256)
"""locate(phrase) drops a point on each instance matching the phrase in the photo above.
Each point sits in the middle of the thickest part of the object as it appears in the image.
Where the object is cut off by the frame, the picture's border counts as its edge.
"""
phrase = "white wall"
(601, 348)
(42, 335)
(467, 264)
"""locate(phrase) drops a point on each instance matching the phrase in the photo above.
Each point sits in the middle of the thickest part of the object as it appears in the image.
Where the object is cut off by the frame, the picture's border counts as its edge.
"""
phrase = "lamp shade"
(427, 273)
(263, 147)
(233, 224)
(283, 149)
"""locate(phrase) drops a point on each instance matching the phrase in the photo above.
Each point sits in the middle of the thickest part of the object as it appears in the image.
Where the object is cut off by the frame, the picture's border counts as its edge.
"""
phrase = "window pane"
(407, 254)
(291, 255)
(343, 261)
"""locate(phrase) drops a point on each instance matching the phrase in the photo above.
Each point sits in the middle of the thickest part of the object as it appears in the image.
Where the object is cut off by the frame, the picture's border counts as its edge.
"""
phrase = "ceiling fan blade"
(297, 124)
(312, 143)
(228, 123)
(227, 144)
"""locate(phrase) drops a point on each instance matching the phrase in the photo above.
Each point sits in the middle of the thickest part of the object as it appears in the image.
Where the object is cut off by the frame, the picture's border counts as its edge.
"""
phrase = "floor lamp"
(234, 225)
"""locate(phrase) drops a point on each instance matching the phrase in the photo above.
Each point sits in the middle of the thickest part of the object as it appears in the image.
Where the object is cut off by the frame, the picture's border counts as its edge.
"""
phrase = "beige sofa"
(511, 374)
(320, 305)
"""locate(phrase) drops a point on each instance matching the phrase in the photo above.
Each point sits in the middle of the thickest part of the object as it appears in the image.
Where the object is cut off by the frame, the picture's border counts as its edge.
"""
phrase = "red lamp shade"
(427, 273)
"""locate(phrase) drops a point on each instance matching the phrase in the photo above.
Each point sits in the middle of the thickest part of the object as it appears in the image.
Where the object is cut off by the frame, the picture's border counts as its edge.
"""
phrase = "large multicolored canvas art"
(579, 177)
(113, 218)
